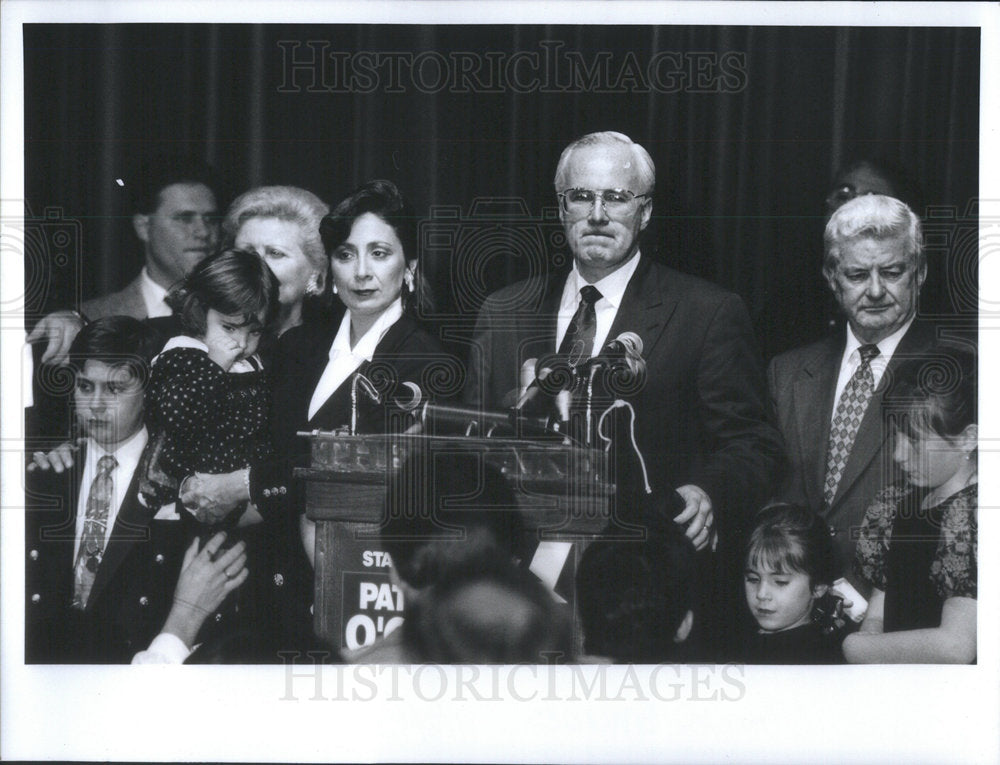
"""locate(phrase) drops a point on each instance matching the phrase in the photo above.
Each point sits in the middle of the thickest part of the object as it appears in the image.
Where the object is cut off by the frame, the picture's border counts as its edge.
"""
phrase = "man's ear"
(140, 222)
(829, 276)
(647, 212)
(819, 590)
(685, 627)
(921, 275)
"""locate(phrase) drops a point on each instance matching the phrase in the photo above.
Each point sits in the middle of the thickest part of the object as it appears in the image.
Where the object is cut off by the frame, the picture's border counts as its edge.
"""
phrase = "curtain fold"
(745, 124)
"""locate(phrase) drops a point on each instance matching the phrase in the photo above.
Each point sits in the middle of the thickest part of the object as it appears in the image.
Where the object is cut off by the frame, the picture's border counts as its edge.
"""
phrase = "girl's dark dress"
(919, 557)
(800, 645)
(207, 420)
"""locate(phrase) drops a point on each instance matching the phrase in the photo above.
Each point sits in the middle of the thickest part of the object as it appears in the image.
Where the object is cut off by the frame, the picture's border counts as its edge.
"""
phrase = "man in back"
(176, 219)
(828, 395)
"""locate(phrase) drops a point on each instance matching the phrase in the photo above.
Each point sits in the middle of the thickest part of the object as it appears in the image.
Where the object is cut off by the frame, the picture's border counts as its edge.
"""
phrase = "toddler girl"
(918, 542)
(207, 401)
(789, 568)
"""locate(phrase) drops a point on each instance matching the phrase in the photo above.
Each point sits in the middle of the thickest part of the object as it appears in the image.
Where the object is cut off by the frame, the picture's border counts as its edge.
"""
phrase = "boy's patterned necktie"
(94, 529)
(850, 411)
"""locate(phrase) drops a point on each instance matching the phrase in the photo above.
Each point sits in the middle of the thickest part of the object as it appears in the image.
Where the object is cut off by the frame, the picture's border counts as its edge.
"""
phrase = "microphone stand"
(588, 417)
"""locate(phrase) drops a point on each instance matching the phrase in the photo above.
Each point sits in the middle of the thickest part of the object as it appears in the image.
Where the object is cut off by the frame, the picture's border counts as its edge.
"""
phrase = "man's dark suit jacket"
(133, 588)
(128, 301)
(802, 384)
(700, 416)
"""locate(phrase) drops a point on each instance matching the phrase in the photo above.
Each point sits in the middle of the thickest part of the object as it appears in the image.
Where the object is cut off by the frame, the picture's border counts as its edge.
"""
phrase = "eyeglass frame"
(599, 194)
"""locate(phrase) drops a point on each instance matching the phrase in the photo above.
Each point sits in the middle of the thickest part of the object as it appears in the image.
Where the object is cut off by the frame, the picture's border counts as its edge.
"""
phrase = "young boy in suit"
(100, 567)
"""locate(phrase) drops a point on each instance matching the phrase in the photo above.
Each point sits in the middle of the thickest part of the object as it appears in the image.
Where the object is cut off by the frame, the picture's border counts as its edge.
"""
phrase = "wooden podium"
(562, 493)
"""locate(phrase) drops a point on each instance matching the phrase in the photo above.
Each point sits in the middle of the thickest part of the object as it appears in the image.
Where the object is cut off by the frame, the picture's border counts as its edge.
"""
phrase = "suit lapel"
(873, 431)
(131, 526)
(393, 343)
(306, 365)
(549, 313)
(59, 537)
(812, 395)
(646, 307)
(133, 303)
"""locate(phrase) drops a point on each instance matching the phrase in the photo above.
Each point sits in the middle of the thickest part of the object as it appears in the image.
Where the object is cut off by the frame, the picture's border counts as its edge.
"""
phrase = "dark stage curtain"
(746, 126)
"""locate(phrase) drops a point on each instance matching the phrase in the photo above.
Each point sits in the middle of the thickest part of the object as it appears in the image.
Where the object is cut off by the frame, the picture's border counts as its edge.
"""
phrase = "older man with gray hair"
(828, 396)
(700, 416)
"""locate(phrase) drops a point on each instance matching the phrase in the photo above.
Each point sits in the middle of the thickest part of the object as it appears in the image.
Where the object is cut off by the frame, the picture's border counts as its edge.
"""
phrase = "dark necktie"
(579, 340)
(94, 526)
(850, 411)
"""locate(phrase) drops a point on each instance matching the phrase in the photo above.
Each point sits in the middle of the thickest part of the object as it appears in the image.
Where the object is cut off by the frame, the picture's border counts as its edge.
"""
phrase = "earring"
(335, 288)
(408, 277)
(312, 286)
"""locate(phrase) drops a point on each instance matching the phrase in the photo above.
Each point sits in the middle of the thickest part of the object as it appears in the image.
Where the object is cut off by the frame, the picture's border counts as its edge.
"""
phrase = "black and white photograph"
(500, 382)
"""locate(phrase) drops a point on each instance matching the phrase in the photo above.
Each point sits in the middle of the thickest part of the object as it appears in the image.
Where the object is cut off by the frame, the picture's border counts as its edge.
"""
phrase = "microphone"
(514, 398)
(627, 348)
(528, 388)
(369, 389)
(468, 421)
(410, 398)
(620, 363)
(552, 377)
(628, 343)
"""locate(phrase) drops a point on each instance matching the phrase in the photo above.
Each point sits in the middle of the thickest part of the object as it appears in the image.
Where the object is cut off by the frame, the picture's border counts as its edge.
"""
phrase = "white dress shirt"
(344, 360)
(152, 296)
(851, 359)
(127, 454)
(612, 289)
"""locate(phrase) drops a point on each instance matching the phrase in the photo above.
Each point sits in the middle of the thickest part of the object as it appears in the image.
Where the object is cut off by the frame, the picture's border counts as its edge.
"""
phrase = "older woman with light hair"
(281, 224)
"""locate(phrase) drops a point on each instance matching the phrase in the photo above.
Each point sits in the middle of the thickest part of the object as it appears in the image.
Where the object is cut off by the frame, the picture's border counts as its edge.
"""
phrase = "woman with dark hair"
(370, 240)
(918, 543)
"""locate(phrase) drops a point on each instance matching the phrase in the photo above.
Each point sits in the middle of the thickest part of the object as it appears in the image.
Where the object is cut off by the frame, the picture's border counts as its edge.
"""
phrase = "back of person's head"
(790, 538)
(874, 175)
(488, 613)
(634, 597)
(231, 282)
(162, 170)
(876, 217)
(936, 394)
(115, 341)
(444, 511)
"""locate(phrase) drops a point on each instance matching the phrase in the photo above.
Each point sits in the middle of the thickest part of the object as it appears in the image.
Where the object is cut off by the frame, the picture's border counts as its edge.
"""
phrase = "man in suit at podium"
(700, 419)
